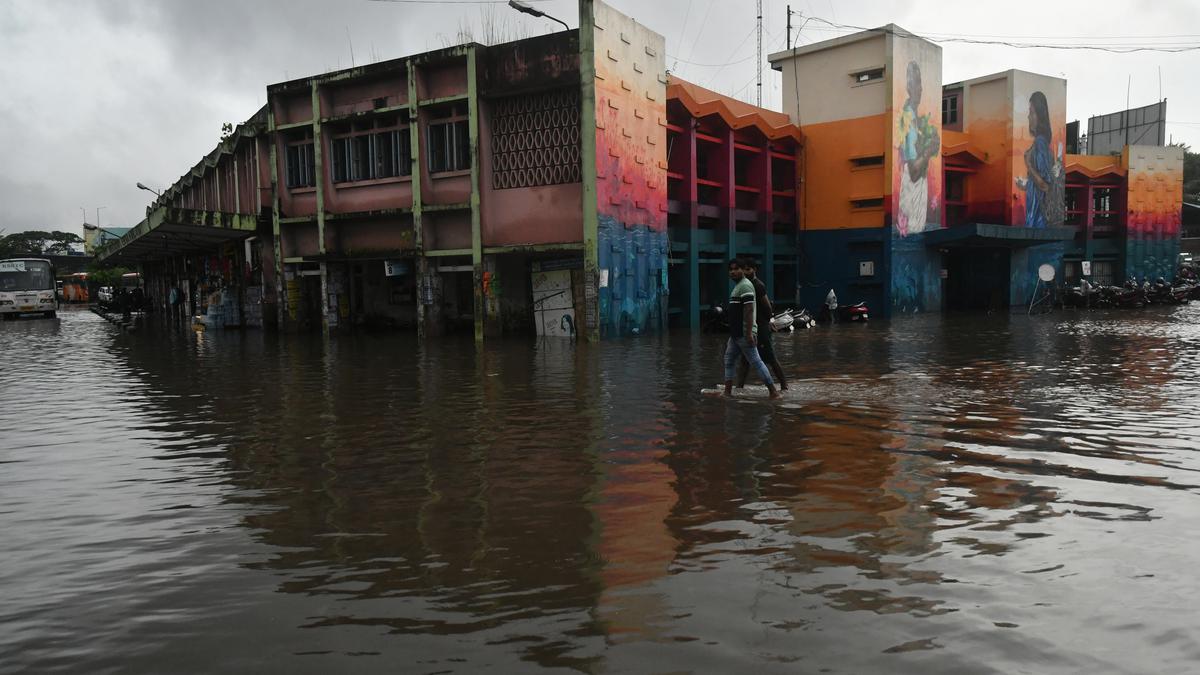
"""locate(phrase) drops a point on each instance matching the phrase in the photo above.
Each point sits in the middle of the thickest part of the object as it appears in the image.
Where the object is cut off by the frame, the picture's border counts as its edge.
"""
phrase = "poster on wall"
(553, 304)
(1039, 138)
(917, 136)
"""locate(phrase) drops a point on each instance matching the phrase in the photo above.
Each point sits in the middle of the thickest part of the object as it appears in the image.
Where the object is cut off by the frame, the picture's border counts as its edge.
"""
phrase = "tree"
(38, 242)
(1191, 172)
(106, 276)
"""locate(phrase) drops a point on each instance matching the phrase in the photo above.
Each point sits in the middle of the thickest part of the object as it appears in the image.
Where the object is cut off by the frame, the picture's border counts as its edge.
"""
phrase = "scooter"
(832, 311)
(789, 319)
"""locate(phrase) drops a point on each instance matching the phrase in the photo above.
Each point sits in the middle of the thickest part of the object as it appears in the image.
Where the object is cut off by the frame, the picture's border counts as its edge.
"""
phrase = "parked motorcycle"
(791, 319)
(832, 311)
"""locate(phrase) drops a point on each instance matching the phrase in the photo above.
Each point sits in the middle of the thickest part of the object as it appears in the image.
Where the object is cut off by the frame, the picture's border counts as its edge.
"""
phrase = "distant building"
(95, 237)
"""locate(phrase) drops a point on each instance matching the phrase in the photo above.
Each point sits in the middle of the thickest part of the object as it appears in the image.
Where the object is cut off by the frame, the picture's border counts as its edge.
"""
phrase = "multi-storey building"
(919, 197)
(518, 187)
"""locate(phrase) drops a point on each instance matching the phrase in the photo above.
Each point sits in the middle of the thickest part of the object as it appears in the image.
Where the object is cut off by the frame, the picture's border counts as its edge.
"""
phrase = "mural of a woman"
(1043, 184)
(919, 143)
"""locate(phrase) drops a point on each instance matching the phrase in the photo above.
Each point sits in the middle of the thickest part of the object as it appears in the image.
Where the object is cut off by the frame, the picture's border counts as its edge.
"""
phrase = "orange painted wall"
(1154, 200)
(831, 180)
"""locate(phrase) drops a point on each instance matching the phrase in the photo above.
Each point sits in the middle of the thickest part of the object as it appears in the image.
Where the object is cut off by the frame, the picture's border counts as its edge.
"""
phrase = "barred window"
(301, 162)
(535, 140)
(370, 150)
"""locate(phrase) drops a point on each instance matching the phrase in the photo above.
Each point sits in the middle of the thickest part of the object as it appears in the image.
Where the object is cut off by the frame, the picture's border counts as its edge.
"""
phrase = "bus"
(74, 288)
(27, 287)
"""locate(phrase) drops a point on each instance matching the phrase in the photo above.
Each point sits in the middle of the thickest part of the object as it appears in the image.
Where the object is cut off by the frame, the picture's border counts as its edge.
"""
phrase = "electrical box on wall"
(866, 268)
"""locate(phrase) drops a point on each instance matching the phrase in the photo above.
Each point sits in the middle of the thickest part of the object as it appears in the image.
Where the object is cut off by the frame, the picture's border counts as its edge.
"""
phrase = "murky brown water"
(975, 494)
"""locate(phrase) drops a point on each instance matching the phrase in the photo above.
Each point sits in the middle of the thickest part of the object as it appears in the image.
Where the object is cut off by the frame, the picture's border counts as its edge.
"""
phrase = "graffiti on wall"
(1039, 135)
(631, 161)
(916, 186)
(917, 112)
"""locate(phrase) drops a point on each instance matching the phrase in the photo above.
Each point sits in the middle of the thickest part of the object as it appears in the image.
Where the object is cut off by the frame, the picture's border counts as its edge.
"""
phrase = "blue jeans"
(739, 347)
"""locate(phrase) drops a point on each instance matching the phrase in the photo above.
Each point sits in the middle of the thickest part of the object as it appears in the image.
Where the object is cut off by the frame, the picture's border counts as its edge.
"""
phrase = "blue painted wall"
(633, 302)
(830, 258)
(1151, 258)
(1023, 270)
(915, 275)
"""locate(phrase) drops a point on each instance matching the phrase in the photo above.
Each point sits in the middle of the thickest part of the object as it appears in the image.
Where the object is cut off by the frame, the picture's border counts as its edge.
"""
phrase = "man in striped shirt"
(743, 329)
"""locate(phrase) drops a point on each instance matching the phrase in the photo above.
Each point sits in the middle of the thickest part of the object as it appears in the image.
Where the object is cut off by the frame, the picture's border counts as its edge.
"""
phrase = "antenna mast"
(758, 65)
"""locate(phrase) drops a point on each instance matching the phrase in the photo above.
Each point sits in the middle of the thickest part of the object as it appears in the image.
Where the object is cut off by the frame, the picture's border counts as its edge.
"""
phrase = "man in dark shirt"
(765, 310)
(743, 330)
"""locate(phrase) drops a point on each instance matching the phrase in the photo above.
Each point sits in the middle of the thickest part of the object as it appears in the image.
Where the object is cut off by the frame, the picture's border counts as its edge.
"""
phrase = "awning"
(168, 232)
(990, 235)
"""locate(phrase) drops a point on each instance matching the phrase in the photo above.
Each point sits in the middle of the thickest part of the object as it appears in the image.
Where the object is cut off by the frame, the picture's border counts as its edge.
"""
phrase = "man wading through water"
(764, 311)
(743, 328)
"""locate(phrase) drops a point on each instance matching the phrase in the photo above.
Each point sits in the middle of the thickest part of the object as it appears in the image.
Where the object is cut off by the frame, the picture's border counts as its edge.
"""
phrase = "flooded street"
(936, 494)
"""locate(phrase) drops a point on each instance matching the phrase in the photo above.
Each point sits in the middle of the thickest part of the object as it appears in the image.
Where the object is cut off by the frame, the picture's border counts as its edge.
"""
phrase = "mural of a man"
(919, 143)
(1043, 183)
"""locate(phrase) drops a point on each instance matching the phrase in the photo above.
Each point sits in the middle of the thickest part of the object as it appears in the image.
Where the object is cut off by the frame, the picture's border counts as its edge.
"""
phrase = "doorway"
(977, 279)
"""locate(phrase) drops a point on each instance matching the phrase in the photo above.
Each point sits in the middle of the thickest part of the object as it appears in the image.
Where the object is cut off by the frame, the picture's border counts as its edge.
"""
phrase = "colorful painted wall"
(1153, 210)
(914, 162)
(1039, 140)
(629, 70)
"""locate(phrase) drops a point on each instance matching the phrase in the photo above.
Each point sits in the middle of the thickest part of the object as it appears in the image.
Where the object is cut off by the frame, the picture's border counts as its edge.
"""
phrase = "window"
(1102, 272)
(869, 75)
(535, 140)
(871, 203)
(449, 140)
(863, 162)
(301, 165)
(370, 150)
(950, 109)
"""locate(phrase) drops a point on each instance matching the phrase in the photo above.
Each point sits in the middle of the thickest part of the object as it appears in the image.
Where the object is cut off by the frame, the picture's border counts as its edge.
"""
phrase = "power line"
(454, 2)
(951, 37)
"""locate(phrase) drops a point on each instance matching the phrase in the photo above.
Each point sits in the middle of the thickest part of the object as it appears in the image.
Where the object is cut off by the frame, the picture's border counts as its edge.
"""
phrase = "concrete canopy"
(990, 235)
(169, 231)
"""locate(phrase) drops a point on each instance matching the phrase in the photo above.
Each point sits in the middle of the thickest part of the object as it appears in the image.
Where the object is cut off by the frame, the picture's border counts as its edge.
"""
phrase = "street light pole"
(98, 214)
(525, 8)
(149, 189)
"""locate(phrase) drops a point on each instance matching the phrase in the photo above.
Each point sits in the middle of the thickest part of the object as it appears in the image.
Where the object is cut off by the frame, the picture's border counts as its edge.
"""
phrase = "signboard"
(12, 266)
(866, 268)
(395, 268)
(1109, 134)
(1087, 267)
(553, 303)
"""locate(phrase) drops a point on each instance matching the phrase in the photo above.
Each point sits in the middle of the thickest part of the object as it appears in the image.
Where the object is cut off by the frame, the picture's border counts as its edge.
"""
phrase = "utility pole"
(98, 215)
(788, 44)
(758, 65)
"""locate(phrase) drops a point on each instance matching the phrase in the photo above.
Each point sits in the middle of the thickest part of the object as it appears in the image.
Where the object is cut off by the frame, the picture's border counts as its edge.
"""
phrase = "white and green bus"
(27, 288)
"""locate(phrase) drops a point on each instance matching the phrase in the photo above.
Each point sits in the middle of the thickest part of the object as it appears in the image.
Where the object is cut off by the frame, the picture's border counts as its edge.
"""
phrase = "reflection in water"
(960, 494)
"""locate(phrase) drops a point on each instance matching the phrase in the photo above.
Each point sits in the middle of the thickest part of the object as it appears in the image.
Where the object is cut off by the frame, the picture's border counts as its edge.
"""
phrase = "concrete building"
(731, 191)
(871, 178)
(913, 206)
(514, 188)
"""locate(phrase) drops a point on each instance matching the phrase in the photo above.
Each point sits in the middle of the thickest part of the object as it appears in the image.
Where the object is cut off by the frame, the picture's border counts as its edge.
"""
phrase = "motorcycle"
(789, 319)
(831, 311)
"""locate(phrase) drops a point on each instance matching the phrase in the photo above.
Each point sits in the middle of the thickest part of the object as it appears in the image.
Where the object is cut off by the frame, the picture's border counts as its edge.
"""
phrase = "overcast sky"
(98, 95)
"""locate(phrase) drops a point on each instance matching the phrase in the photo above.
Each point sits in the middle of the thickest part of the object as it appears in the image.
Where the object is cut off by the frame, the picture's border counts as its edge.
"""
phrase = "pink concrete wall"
(546, 214)
(446, 230)
(356, 97)
(298, 239)
(292, 107)
(439, 81)
(385, 193)
(373, 236)
(448, 188)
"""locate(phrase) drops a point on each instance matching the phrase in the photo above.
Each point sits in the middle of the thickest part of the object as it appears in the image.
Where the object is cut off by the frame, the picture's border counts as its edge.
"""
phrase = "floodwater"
(962, 494)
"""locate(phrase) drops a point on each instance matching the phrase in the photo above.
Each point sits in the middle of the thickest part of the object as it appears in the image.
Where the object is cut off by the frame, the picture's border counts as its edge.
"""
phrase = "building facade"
(921, 197)
(514, 188)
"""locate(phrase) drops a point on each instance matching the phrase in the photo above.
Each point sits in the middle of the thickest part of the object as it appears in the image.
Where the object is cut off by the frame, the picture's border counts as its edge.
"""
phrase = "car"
(105, 295)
